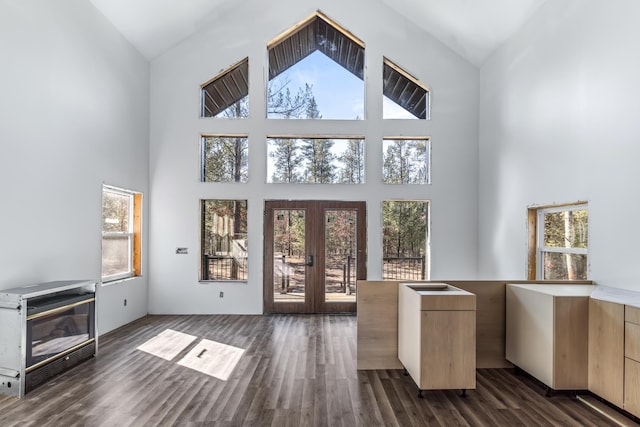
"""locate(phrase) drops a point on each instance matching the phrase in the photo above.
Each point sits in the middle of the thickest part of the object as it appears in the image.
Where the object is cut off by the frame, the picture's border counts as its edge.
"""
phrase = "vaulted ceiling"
(472, 28)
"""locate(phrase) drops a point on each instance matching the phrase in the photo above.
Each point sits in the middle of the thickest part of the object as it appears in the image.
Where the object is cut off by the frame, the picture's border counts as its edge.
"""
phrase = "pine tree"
(353, 162)
(286, 160)
(405, 162)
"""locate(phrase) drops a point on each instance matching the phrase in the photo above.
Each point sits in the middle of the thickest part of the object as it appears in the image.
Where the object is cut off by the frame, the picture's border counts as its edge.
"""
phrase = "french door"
(314, 251)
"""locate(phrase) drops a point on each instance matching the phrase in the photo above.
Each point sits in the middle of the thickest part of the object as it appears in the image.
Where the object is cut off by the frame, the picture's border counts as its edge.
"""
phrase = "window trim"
(134, 235)
(535, 217)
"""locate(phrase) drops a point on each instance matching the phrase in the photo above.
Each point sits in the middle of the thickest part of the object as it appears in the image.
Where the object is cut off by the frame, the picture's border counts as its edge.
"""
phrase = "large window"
(405, 239)
(315, 160)
(121, 233)
(559, 237)
(315, 70)
(224, 240)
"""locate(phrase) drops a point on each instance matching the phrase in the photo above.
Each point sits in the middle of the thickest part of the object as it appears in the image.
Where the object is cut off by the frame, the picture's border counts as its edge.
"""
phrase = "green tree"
(404, 228)
(353, 162)
(225, 159)
(320, 166)
(287, 160)
(405, 162)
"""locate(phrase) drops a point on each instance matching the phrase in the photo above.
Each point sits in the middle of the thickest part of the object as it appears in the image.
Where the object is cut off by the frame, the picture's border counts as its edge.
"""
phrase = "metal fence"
(410, 268)
(224, 267)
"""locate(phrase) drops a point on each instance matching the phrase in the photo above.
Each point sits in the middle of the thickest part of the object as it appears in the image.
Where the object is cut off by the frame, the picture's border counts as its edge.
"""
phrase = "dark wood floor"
(297, 370)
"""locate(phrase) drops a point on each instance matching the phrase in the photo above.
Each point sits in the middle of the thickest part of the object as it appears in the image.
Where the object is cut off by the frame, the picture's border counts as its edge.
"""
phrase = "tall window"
(405, 239)
(121, 233)
(559, 237)
(315, 70)
(224, 240)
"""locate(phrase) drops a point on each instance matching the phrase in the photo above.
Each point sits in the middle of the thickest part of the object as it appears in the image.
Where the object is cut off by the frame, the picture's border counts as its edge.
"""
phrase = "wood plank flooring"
(297, 370)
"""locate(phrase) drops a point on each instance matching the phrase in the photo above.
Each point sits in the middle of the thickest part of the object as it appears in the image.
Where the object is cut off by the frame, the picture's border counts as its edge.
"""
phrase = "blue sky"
(339, 94)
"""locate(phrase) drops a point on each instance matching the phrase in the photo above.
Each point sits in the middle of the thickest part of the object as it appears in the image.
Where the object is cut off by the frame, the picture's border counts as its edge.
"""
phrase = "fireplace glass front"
(58, 325)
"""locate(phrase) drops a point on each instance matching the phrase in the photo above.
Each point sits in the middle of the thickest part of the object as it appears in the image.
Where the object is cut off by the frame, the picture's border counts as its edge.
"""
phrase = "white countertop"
(617, 295)
(604, 293)
(558, 290)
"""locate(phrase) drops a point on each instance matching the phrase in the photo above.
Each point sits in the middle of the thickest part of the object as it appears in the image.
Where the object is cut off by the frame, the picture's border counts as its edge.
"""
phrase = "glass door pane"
(340, 250)
(289, 255)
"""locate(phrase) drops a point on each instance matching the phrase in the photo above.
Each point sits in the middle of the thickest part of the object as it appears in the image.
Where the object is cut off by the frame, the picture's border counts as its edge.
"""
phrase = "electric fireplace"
(45, 329)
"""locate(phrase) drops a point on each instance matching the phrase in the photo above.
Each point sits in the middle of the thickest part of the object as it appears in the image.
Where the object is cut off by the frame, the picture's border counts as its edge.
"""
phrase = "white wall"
(176, 77)
(74, 114)
(560, 122)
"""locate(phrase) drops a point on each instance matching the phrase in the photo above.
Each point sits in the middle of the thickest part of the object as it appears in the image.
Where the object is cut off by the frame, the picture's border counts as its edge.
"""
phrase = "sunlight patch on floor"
(168, 344)
(213, 358)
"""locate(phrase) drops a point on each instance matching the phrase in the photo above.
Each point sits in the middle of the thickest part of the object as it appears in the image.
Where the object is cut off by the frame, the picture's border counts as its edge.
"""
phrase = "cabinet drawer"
(632, 386)
(632, 341)
(632, 314)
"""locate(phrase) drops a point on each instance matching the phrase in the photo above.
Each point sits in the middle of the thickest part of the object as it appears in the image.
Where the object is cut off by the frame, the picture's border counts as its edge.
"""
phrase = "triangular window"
(227, 94)
(405, 97)
(316, 71)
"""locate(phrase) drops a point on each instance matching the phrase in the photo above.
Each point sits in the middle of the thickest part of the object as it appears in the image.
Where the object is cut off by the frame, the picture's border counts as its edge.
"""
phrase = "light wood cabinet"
(632, 314)
(377, 325)
(437, 336)
(632, 360)
(632, 386)
(632, 341)
(606, 350)
(547, 332)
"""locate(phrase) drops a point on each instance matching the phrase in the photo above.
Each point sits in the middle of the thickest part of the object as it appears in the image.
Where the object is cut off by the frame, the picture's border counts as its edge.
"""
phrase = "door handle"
(309, 262)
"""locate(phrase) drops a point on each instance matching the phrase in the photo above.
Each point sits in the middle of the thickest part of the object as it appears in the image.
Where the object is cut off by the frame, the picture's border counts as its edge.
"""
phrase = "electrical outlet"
(125, 302)
(221, 294)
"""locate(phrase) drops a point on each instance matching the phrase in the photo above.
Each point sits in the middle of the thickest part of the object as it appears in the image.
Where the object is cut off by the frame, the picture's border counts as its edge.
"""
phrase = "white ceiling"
(472, 28)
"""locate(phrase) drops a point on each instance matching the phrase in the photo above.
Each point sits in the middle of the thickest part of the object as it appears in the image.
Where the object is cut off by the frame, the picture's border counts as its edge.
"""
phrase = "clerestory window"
(227, 94)
(316, 71)
(405, 97)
